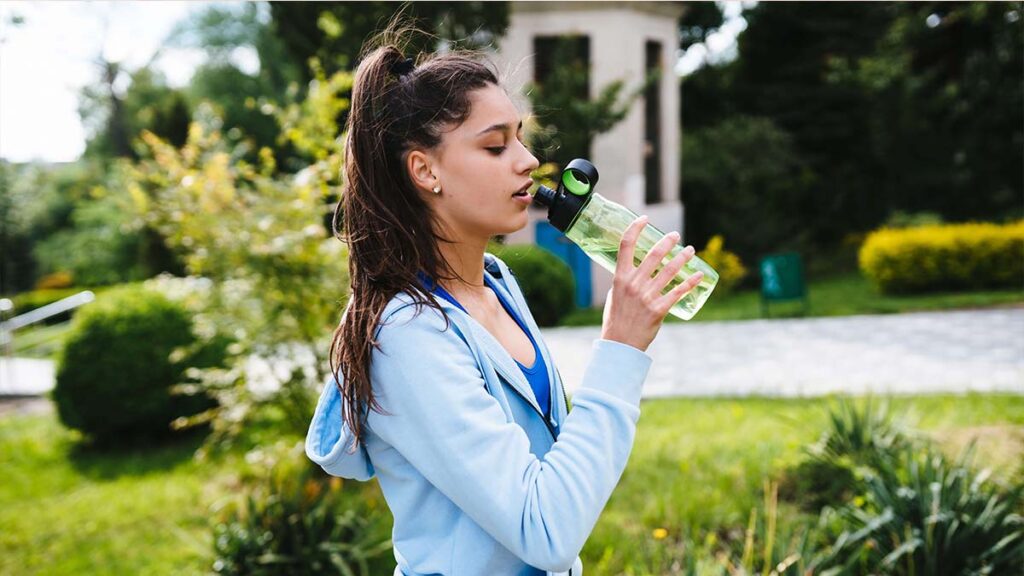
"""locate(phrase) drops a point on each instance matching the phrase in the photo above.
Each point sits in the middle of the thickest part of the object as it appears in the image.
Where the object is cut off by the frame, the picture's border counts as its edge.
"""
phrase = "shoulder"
(409, 321)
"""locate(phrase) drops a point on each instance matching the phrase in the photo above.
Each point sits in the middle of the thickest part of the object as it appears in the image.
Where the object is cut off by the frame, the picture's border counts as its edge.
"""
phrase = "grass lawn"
(697, 468)
(842, 295)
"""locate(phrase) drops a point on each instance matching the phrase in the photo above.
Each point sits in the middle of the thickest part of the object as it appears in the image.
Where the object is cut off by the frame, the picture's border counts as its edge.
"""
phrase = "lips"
(523, 191)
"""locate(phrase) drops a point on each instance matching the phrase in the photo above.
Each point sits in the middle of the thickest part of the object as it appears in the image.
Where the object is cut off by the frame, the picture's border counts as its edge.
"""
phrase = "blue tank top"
(536, 375)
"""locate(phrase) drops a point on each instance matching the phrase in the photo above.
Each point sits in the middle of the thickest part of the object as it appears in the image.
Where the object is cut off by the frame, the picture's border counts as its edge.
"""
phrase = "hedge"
(970, 256)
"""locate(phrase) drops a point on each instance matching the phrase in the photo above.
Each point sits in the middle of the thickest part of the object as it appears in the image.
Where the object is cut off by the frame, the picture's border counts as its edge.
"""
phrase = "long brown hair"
(396, 106)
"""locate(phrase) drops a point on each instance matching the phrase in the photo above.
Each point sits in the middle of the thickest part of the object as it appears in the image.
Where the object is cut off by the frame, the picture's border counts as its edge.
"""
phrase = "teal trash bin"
(782, 279)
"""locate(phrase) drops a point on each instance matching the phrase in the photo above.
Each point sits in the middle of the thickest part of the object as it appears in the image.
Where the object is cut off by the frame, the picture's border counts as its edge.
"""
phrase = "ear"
(421, 166)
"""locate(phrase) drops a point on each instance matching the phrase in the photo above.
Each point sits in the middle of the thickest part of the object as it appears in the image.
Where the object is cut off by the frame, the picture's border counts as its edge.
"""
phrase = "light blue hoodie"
(474, 476)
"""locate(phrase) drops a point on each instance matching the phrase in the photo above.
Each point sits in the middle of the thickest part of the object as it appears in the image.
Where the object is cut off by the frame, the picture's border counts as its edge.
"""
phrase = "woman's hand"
(636, 307)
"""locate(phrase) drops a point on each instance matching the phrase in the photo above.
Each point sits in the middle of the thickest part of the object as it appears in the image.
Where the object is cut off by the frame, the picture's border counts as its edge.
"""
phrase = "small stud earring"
(437, 189)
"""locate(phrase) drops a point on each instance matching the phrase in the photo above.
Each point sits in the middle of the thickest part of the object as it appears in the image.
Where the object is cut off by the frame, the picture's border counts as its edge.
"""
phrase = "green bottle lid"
(576, 182)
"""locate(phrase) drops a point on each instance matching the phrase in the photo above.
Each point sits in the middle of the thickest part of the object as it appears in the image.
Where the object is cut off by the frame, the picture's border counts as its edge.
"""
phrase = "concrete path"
(905, 353)
(25, 376)
(960, 351)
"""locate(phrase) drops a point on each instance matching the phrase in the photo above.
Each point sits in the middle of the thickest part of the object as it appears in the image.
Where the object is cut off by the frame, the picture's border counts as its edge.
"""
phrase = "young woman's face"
(480, 165)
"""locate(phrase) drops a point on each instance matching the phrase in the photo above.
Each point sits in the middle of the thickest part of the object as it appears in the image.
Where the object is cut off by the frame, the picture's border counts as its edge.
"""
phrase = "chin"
(515, 224)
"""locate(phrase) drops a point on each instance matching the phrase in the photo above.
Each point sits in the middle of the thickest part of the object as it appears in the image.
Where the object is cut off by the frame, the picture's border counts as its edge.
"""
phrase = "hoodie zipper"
(565, 398)
(547, 423)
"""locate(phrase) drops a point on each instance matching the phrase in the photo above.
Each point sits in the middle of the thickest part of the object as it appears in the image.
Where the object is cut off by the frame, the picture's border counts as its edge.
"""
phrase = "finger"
(675, 294)
(657, 254)
(624, 264)
(669, 270)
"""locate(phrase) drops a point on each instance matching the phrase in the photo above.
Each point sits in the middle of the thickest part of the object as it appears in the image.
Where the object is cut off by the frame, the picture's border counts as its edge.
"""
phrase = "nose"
(527, 161)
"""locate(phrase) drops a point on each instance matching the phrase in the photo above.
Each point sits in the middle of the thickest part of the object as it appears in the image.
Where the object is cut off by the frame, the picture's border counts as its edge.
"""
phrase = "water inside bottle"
(602, 246)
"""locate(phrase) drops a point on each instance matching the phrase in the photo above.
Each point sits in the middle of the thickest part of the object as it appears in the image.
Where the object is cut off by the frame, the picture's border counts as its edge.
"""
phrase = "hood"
(329, 441)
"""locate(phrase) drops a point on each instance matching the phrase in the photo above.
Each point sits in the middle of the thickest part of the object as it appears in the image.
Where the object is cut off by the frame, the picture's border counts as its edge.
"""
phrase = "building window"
(562, 75)
(652, 124)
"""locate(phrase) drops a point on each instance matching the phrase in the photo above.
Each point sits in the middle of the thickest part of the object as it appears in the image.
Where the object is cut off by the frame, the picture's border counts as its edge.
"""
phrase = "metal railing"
(8, 327)
(9, 385)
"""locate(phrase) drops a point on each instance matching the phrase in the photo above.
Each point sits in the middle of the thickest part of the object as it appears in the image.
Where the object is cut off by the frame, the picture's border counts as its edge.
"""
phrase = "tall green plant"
(278, 280)
(298, 522)
(860, 436)
(924, 515)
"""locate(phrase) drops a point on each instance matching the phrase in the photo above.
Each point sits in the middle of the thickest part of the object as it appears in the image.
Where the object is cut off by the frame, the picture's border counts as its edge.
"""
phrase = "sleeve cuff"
(617, 369)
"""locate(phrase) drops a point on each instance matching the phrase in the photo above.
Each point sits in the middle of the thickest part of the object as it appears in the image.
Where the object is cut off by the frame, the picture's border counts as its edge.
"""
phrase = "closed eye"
(496, 150)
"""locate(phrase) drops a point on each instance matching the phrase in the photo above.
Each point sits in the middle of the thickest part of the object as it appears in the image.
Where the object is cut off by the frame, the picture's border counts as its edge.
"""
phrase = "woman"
(444, 389)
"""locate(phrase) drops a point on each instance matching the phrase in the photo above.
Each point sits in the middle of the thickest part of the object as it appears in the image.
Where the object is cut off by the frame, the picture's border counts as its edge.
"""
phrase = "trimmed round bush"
(546, 281)
(122, 355)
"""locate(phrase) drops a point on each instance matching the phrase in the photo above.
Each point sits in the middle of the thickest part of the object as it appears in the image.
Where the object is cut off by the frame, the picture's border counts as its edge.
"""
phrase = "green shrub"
(945, 257)
(858, 439)
(728, 265)
(901, 219)
(298, 523)
(866, 434)
(922, 514)
(817, 482)
(547, 282)
(122, 355)
(57, 280)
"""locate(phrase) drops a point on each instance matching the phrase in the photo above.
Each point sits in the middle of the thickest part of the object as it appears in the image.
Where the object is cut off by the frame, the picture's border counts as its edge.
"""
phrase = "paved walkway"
(25, 376)
(960, 351)
(905, 354)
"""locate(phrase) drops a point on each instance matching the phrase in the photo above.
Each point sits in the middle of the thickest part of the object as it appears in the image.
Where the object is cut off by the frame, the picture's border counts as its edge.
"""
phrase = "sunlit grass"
(697, 469)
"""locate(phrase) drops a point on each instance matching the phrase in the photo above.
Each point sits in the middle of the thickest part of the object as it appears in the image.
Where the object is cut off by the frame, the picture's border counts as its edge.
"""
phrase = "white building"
(638, 159)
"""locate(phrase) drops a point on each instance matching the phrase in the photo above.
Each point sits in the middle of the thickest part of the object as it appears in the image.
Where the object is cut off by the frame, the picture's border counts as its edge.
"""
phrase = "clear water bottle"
(597, 224)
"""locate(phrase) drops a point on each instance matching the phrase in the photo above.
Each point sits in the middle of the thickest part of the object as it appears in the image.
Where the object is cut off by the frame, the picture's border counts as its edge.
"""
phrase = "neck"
(466, 258)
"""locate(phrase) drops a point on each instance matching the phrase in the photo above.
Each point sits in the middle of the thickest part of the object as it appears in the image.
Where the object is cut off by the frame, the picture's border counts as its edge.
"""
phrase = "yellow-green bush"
(728, 265)
(945, 257)
(56, 281)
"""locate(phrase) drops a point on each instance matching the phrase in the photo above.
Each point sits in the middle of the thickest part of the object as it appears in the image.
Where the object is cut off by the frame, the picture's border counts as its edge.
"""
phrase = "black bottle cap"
(574, 188)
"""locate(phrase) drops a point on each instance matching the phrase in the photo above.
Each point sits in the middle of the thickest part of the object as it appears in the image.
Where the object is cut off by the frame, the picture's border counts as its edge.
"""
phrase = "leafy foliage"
(113, 119)
(728, 265)
(566, 118)
(334, 33)
(858, 438)
(297, 521)
(546, 281)
(925, 515)
(278, 280)
(945, 257)
(884, 106)
(125, 353)
(759, 166)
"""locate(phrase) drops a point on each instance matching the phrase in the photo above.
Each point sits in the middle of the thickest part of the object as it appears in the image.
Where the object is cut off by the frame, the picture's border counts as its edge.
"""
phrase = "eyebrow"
(498, 128)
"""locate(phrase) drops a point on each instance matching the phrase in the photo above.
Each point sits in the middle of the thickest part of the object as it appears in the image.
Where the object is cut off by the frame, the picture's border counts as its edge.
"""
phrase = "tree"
(949, 114)
(759, 166)
(113, 119)
(566, 118)
(242, 97)
(890, 107)
(257, 236)
(333, 33)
